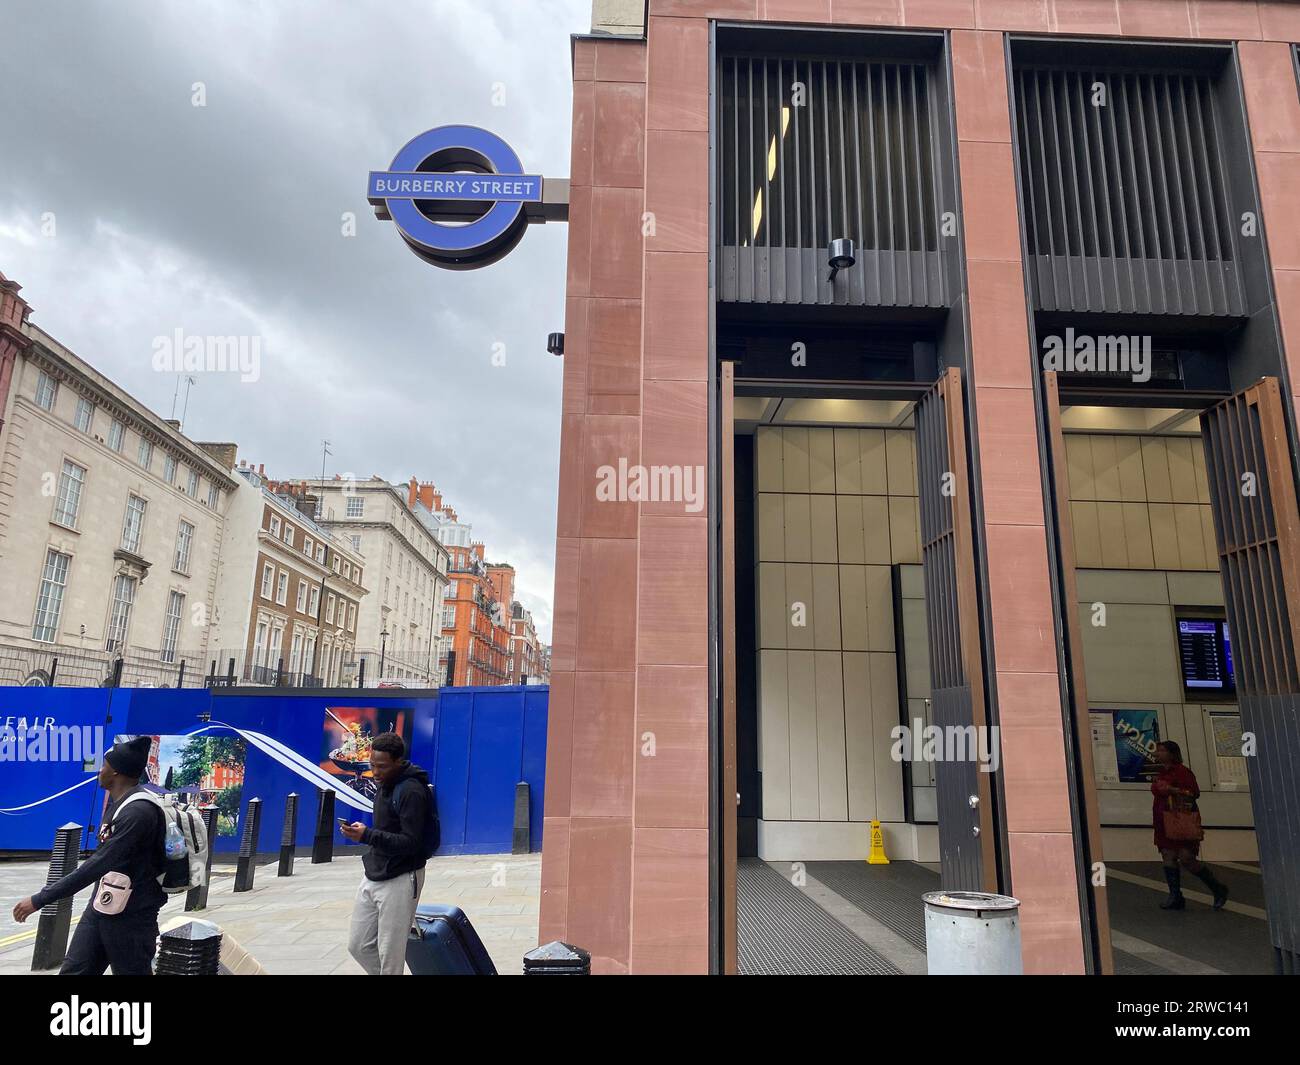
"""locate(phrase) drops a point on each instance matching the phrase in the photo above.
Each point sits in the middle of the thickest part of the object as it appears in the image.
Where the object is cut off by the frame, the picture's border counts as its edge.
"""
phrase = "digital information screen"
(1205, 654)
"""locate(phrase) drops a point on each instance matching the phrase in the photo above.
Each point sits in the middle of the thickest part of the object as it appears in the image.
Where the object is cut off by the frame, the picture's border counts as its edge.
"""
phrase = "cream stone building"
(406, 576)
(290, 590)
(111, 528)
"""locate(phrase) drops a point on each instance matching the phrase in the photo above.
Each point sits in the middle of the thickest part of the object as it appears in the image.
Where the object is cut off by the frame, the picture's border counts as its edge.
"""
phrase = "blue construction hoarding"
(230, 745)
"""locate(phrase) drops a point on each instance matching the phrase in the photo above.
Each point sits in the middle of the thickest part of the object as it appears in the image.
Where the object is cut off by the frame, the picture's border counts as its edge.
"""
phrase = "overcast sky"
(227, 220)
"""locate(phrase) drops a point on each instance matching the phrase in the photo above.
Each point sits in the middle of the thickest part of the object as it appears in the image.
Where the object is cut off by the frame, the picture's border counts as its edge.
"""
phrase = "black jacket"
(131, 844)
(397, 837)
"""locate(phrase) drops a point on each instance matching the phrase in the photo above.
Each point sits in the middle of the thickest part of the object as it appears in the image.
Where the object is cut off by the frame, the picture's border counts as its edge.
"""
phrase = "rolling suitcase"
(444, 943)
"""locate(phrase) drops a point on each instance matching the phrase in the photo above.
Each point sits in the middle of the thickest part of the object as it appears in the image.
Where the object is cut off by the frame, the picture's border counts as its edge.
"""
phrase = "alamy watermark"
(182, 353)
(1085, 353)
(51, 743)
(920, 742)
(651, 484)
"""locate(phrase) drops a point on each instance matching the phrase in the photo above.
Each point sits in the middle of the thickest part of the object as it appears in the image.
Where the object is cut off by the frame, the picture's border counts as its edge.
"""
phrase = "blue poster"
(1136, 734)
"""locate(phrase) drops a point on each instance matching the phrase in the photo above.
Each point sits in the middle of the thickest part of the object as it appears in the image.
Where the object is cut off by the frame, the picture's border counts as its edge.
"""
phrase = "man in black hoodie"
(130, 843)
(394, 864)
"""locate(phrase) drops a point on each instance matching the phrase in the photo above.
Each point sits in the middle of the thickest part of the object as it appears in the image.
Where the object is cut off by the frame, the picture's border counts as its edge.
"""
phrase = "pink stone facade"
(625, 865)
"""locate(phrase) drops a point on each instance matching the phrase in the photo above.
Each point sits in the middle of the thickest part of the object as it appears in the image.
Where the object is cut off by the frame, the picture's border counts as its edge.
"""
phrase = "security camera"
(555, 343)
(839, 256)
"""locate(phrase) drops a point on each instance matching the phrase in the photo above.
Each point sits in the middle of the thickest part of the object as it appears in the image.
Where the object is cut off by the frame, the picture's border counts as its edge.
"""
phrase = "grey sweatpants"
(381, 921)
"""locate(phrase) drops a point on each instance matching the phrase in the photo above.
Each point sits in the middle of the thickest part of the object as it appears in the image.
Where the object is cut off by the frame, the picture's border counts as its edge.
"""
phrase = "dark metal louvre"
(1125, 199)
(813, 149)
(956, 697)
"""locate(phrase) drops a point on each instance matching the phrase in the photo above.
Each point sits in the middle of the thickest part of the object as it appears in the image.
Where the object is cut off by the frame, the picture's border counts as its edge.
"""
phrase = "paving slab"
(299, 924)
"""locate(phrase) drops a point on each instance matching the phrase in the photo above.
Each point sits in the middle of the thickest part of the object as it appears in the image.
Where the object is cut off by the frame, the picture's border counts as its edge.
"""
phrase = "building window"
(268, 580)
(451, 590)
(67, 505)
(116, 435)
(172, 625)
(352, 617)
(49, 603)
(449, 617)
(314, 603)
(288, 533)
(192, 485)
(85, 417)
(282, 588)
(259, 644)
(133, 523)
(274, 526)
(320, 553)
(214, 496)
(295, 655)
(329, 610)
(277, 646)
(307, 546)
(184, 539)
(119, 618)
(46, 389)
(309, 657)
(144, 455)
(356, 506)
(302, 597)
(169, 469)
(356, 543)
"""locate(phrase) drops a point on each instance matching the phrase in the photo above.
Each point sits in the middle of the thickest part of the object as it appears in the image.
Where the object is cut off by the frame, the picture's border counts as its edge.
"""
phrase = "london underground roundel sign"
(458, 196)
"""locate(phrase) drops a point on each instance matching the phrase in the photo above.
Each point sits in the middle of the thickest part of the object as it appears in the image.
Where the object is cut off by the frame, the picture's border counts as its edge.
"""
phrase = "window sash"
(172, 625)
(184, 541)
(46, 391)
(68, 504)
(49, 602)
(133, 523)
(85, 417)
(119, 622)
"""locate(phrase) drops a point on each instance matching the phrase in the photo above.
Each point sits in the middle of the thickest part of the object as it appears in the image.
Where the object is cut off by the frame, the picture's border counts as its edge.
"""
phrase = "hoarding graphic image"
(347, 735)
(209, 768)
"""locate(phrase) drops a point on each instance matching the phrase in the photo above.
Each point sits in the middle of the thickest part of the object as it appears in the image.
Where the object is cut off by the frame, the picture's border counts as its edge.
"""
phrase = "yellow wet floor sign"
(877, 855)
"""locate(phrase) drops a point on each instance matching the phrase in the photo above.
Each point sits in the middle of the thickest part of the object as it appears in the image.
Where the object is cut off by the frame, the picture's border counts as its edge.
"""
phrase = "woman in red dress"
(1175, 779)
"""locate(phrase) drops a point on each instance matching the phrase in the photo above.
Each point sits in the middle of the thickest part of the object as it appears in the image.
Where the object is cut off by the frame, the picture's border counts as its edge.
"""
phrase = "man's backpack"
(185, 842)
(432, 827)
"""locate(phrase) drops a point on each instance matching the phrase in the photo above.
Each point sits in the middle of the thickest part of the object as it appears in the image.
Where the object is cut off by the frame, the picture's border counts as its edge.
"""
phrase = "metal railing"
(73, 667)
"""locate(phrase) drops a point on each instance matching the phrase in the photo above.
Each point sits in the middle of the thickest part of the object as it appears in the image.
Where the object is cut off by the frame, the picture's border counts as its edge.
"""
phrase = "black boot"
(1174, 878)
(1215, 885)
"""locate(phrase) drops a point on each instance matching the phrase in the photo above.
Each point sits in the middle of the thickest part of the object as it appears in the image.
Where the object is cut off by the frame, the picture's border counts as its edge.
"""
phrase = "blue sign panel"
(456, 164)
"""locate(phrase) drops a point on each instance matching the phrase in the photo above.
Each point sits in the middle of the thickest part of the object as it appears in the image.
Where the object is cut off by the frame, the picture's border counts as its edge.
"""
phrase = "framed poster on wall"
(1229, 764)
(1124, 745)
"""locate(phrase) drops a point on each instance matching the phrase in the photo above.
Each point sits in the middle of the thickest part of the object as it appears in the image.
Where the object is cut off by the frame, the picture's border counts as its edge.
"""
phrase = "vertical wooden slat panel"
(1091, 816)
(1257, 527)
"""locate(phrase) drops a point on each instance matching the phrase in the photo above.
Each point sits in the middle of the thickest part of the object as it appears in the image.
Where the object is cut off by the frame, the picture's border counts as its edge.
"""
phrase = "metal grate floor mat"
(780, 931)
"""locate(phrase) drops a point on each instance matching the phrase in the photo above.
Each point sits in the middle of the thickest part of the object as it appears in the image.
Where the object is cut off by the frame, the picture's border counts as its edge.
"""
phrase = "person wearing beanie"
(131, 844)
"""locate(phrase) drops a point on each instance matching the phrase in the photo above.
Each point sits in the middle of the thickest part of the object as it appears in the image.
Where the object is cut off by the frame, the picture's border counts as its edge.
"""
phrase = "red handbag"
(1182, 821)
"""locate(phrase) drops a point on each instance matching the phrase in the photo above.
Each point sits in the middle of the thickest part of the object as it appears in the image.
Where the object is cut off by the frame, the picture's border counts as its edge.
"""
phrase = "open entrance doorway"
(1149, 508)
(845, 582)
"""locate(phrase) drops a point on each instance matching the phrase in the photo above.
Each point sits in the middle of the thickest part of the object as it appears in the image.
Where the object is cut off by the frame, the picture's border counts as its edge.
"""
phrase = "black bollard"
(557, 959)
(247, 864)
(521, 843)
(322, 846)
(288, 834)
(56, 918)
(197, 898)
(191, 949)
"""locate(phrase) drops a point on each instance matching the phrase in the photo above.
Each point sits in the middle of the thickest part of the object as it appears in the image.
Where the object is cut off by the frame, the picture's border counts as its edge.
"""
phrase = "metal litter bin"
(971, 933)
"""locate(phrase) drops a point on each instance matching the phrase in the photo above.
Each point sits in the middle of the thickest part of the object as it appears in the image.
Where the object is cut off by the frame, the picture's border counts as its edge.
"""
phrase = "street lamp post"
(383, 648)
